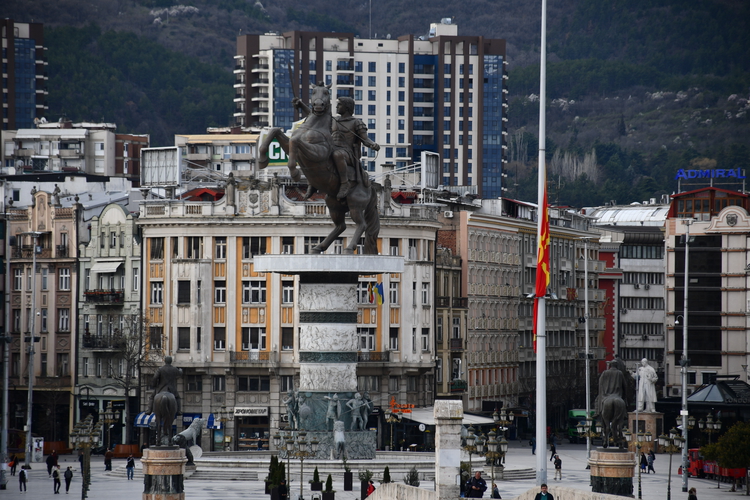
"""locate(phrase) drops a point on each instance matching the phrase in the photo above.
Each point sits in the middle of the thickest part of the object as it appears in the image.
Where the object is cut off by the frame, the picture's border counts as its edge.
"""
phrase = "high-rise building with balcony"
(442, 93)
(24, 76)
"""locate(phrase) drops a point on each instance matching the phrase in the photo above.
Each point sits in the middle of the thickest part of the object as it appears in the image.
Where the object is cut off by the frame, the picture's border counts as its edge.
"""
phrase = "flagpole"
(541, 334)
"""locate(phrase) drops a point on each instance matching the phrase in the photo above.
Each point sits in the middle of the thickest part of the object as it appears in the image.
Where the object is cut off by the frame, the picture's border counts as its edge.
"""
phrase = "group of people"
(647, 462)
(53, 471)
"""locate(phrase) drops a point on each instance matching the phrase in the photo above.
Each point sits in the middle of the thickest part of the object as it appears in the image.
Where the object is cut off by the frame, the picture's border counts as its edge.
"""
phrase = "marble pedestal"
(612, 471)
(648, 422)
(163, 473)
(328, 344)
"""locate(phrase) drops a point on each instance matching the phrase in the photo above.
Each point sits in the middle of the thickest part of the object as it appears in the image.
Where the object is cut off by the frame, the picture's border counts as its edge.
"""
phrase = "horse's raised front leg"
(338, 216)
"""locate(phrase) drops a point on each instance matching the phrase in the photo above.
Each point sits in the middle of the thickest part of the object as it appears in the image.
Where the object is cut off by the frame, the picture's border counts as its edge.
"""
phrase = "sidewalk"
(113, 487)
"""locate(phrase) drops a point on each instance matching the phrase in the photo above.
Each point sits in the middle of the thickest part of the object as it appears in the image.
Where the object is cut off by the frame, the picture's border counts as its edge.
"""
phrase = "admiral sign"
(714, 173)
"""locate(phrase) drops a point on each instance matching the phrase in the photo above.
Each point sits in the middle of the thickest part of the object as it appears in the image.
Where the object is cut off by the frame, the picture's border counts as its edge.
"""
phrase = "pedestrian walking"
(544, 494)
(80, 460)
(108, 459)
(50, 462)
(644, 462)
(370, 488)
(13, 464)
(650, 460)
(553, 449)
(283, 491)
(22, 480)
(532, 443)
(68, 479)
(692, 494)
(56, 480)
(495, 491)
(130, 467)
(476, 486)
(558, 468)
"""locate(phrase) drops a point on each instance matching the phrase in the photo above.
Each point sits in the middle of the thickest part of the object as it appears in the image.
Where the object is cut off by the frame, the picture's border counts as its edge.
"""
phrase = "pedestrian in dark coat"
(56, 480)
(476, 486)
(68, 479)
(13, 464)
(22, 480)
(50, 463)
(552, 448)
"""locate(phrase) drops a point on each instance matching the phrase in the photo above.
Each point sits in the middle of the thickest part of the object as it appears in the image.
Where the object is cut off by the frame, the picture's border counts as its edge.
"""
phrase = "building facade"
(444, 93)
(25, 77)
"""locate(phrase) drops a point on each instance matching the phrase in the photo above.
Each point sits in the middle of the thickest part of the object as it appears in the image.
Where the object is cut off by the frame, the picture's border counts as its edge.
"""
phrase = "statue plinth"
(652, 422)
(163, 472)
(612, 471)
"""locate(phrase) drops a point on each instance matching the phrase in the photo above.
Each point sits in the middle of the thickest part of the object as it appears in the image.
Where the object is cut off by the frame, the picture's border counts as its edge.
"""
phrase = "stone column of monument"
(163, 473)
(327, 397)
(449, 416)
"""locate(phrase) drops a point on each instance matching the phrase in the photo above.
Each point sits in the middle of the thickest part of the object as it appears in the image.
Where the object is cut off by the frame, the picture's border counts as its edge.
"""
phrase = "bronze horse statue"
(165, 408)
(612, 416)
(311, 147)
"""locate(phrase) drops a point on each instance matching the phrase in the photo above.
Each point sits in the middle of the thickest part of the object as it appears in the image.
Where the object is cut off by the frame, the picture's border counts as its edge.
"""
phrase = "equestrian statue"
(610, 404)
(327, 150)
(165, 402)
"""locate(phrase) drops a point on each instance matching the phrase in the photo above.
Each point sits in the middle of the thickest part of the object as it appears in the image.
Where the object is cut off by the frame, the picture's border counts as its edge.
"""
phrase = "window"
(425, 339)
(254, 384)
(393, 384)
(366, 339)
(393, 339)
(371, 66)
(311, 242)
(85, 367)
(370, 95)
(113, 239)
(157, 248)
(456, 332)
(16, 320)
(194, 383)
(393, 293)
(219, 383)
(425, 294)
(45, 278)
(220, 292)
(221, 248)
(287, 292)
(99, 367)
(18, 280)
(183, 292)
(411, 383)
(286, 382)
(287, 339)
(63, 320)
(195, 247)
(439, 328)
(43, 317)
(253, 338)
(157, 292)
(363, 295)
(254, 292)
(287, 245)
(414, 340)
(64, 279)
(708, 377)
(438, 370)
(155, 334)
(183, 338)
(220, 338)
(136, 279)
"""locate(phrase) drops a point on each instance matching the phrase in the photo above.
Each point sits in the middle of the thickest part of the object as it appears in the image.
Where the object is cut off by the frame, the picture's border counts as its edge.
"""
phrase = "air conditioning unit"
(646, 286)
(636, 286)
(448, 214)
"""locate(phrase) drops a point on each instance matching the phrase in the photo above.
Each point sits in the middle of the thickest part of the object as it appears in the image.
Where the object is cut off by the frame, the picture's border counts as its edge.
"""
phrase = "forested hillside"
(636, 88)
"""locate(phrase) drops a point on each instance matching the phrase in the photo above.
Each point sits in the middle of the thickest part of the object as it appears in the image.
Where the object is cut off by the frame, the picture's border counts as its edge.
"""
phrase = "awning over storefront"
(105, 267)
(426, 416)
(144, 419)
(212, 422)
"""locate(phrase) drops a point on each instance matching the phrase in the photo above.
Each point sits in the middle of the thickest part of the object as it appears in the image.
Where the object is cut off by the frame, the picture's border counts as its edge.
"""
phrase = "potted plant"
(386, 475)
(271, 473)
(329, 493)
(364, 480)
(412, 477)
(316, 484)
(348, 476)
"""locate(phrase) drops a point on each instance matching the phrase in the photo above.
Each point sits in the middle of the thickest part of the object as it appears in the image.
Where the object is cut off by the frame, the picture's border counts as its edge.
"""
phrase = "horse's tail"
(373, 223)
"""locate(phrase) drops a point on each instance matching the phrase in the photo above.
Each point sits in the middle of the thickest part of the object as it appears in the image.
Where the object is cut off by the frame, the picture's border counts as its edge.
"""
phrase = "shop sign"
(713, 173)
(118, 405)
(187, 418)
(257, 411)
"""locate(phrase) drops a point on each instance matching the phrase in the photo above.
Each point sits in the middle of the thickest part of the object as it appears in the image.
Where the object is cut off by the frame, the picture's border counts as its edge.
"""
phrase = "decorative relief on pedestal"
(321, 378)
(327, 298)
(327, 337)
(327, 357)
(328, 317)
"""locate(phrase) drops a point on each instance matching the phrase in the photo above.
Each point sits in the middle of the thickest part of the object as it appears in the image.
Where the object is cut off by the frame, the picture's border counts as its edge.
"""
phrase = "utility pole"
(32, 341)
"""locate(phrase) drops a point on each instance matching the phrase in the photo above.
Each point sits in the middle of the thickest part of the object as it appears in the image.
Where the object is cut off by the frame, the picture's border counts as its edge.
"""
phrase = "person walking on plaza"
(644, 462)
(532, 442)
(13, 464)
(22, 480)
(56, 480)
(495, 492)
(544, 495)
(553, 449)
(283, 491)
(476, 486)
(650, 460)
(68, 479)
(692, 494)
(51, 462)
(558, 468)
(108, 459)
(130, 466)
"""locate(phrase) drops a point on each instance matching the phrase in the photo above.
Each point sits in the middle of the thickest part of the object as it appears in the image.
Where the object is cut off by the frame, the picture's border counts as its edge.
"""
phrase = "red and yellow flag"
(542, 267)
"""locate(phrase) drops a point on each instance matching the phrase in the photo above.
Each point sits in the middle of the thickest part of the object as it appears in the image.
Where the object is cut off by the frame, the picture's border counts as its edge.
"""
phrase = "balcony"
(457, 344)
(27, 252)
(103, 342)
(249, 356)
(443, 302)
(62, 250)
(104, 296)
(374, 357)
(462, 302)
(459, 386)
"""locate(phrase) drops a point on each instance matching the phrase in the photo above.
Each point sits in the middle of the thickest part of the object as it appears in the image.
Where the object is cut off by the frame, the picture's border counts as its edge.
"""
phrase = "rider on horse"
(165, 380)
(348, 134)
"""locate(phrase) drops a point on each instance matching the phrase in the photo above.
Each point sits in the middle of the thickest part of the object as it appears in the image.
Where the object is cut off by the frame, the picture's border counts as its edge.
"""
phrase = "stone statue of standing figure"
(646, 378)
(355, 405)
(291, 409)
(334, 410)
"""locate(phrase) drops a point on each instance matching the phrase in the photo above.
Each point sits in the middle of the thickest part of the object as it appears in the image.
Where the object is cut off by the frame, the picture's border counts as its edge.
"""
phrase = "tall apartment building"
(43, 309)
(110, 325)
(234, 331)
(717, 286)
(443, 93)
(65, 147)
(24, 76)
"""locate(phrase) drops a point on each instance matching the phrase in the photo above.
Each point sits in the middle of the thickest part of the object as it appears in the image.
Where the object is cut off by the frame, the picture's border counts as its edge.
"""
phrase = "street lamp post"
(504, 419)
(392, 417)
(32, 340)
(469, 446)
(300, 448)
(684, 361)
(671, 444)
(640, 438)
(586, 344)
(83, 437)
(109, 417)
(710, 426)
